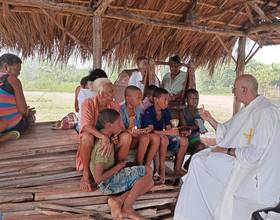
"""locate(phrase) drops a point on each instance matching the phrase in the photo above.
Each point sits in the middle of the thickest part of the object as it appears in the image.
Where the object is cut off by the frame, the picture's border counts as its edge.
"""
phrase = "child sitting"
(148, 98)
(130, 114)
(190, 121)
(114, 178)
(159, 117)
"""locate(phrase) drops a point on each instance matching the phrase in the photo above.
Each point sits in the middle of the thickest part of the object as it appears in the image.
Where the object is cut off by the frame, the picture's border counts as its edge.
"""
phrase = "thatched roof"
(205, 30)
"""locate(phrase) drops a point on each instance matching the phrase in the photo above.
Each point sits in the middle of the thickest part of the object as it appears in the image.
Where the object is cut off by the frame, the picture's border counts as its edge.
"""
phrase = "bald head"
(248, 81)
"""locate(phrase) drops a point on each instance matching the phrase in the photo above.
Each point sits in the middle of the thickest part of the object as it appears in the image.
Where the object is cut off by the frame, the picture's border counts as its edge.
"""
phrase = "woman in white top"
(87, 90)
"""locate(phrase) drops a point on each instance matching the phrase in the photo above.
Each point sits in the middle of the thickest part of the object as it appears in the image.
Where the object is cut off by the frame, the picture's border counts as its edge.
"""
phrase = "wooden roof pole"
(240, 67)
(97, 42)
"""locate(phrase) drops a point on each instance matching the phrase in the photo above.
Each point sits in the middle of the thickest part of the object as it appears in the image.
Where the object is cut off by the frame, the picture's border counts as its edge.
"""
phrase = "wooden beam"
(102, 5)
(252, 55)
(97, 42)
(165, 13)
(222, 11)
(240, 67)
(124, 16)
(259, 11)
(249, 14)
(59, 7)
(65, 31)
(264, 27)
(5, 8)
(225, 47)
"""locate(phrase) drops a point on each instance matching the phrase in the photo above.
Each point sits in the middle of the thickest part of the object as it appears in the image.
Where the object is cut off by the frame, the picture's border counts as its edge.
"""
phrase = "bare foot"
(131, 214)
(162, 178)
(116, 208)
(85, 185)
(179, 172)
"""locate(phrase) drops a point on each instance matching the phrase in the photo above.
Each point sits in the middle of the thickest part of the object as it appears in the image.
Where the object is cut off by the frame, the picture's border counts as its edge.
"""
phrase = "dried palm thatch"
(205, 30)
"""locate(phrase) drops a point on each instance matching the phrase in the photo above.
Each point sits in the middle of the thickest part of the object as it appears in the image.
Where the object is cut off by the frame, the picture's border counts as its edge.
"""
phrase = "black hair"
(158, 92)
(107, 116)
(9, 59)
(97, 73)
(191, 91)
(84, 81)
(149, 90)
(130, 88)
(175, 59)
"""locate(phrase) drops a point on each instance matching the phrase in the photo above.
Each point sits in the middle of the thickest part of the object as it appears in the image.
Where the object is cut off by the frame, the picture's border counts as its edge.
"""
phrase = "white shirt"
(136, 80)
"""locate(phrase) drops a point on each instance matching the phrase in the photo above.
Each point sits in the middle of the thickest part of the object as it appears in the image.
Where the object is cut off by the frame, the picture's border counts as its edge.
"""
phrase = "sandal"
(156, 177)
(14, 135)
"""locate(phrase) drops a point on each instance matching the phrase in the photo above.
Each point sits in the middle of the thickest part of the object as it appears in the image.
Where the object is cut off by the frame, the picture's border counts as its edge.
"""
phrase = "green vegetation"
(223, 78)
(46, 76)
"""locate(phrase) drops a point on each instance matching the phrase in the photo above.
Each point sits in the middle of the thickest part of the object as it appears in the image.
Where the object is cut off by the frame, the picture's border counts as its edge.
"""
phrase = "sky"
(268, 54)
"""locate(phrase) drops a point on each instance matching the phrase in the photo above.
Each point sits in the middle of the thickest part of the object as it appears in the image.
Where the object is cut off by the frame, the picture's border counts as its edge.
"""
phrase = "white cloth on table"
(221, 187)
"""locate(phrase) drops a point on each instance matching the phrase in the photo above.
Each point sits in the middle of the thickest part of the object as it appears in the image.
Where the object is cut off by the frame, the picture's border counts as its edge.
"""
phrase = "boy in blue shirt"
(158, 116)
(147, 143)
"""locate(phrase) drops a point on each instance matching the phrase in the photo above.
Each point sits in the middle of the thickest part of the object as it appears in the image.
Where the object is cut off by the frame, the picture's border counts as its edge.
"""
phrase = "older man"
(89, 114)
(241, 174)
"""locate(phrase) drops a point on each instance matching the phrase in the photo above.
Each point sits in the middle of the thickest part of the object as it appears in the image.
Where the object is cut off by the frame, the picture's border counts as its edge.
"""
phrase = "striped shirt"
(8, 107)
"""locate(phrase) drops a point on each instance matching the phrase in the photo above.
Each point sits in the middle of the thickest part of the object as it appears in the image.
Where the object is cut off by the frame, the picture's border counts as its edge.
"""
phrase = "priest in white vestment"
(242, 173)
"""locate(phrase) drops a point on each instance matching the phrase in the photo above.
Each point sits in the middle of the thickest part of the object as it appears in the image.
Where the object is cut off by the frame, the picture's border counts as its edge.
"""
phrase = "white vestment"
(222, 187)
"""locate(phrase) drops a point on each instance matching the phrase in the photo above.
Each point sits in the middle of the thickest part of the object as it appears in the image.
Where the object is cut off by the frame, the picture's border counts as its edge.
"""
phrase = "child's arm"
(100, 174)
(169, 131)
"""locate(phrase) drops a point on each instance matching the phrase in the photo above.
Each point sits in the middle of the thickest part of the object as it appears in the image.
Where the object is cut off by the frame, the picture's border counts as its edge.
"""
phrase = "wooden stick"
(102, 6)
(259, 11)
(226, 49)
(253, 54)
(240, 66)
(97, 42)
(127, 17)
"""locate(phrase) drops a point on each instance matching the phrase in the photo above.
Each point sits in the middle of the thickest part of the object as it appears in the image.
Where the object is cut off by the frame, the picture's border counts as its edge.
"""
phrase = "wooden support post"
(97, 42)
(240, 67)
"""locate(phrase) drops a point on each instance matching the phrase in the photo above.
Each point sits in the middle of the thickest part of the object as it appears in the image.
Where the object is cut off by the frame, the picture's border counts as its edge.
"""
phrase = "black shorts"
(21, 126)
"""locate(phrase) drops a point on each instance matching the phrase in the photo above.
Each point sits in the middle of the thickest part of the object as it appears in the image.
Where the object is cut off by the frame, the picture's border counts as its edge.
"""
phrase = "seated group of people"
(109, 130)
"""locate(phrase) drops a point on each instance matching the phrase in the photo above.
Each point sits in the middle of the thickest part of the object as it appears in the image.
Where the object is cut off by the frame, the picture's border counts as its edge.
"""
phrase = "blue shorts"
(122, 180)
(174, 144)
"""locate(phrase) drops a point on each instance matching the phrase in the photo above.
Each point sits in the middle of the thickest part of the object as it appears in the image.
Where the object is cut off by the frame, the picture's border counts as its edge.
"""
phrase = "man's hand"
(106, 147)
(219, 150)
(205, 115)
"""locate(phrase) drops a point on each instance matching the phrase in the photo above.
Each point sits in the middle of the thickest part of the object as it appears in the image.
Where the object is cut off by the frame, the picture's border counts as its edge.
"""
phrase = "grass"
(52, 106)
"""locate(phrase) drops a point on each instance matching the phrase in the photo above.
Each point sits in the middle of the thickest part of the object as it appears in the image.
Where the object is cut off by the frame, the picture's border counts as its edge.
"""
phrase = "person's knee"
(125, 138)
